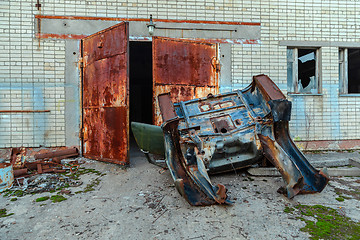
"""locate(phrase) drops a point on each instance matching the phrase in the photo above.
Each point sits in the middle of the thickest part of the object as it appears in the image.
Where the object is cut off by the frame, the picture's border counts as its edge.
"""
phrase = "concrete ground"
(141, 203)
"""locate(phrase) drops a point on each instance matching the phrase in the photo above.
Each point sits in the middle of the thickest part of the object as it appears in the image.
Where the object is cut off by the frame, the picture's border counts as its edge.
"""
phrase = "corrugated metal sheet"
(187, 69)
(105, 95)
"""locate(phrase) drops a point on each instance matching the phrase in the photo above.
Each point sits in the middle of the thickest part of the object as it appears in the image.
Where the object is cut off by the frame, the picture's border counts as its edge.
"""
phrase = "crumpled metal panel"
(105, 95)
(231, 131)
(178, 93)
(187, 69)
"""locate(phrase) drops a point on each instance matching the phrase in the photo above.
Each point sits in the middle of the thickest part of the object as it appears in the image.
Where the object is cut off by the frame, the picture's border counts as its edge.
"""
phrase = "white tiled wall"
(31, 78)
(32, 72)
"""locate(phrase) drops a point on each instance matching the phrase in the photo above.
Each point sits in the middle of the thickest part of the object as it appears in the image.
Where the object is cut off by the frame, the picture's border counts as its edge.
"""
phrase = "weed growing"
(57, 198)
(41, 199)
(3, 213)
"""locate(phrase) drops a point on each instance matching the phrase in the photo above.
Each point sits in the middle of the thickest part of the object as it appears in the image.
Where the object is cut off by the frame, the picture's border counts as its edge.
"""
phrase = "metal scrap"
(6, 176)
(59, 154)
(18, 157)
(229, 131)
(38, 172)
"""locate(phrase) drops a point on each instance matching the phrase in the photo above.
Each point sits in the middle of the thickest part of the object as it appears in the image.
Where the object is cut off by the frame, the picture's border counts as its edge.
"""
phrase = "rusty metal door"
(105, 112)
(185, 68)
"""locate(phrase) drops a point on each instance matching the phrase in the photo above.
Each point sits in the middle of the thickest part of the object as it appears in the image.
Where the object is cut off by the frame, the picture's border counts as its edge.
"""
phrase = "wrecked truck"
(226, 132)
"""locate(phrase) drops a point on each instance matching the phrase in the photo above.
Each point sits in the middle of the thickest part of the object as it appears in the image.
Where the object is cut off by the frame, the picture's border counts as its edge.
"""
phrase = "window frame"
(293, 82)
(344, 71)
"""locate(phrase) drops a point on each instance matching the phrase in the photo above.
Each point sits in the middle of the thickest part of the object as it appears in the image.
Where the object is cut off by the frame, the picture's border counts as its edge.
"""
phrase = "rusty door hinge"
(81, 63)
(81, 134)
(84, 135)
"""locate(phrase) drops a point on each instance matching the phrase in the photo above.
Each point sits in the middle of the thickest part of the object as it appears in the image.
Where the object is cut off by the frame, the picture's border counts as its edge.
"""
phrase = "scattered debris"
(47, 171)
(41, 172)
(47, 182)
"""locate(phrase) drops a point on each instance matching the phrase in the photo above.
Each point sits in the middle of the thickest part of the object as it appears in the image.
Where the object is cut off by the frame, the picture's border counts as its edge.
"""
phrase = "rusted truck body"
(230, 131)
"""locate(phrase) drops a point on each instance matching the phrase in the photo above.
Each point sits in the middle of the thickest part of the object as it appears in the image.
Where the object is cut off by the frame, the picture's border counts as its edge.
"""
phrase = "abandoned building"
(75, 73)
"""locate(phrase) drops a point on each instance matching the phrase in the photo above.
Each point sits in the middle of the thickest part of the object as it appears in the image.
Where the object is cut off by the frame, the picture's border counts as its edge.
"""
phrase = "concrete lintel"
(319, 44)
(139, 29)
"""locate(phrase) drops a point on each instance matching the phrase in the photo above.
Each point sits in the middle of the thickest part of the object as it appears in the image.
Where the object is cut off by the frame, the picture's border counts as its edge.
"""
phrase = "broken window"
(303, 70)
(349, 62)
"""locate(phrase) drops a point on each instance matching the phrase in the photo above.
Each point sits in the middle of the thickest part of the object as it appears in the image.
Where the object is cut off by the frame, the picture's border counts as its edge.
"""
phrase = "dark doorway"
(353, 70)
(141, 82)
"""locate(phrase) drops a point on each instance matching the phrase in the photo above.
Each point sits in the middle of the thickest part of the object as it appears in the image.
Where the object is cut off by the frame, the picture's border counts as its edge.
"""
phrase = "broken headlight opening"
(226, 132)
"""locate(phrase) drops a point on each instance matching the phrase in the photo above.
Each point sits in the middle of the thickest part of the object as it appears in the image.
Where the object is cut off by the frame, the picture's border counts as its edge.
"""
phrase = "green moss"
(316, 151)
(16, 193)
(82, 171)
(7, 192)
(19, 193)
(3, 213)
(57, 198)
(348, 194)
(41, 199)
(329, 224)
(340, 199)
(91, 186)
(289, 209)
(13, 199)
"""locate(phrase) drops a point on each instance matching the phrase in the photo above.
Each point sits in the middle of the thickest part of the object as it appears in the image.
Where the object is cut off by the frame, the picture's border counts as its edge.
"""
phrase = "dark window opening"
(306, 67)
(140, 81)
(353, 70)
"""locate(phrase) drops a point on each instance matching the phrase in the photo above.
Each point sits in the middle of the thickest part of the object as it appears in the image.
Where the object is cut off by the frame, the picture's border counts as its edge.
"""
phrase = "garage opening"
(140, 82)
(140, 87)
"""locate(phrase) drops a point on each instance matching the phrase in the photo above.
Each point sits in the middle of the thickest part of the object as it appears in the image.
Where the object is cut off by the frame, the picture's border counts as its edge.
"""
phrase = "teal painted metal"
(6, 176)
(231, 131)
